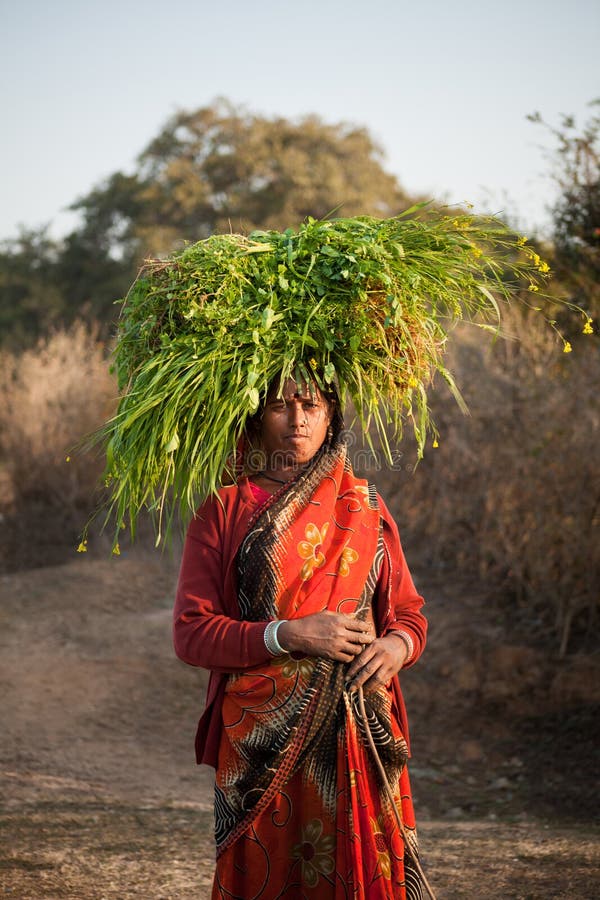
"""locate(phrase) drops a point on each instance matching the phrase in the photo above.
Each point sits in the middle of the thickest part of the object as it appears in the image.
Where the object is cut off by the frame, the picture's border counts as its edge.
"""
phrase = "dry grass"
(50, 396)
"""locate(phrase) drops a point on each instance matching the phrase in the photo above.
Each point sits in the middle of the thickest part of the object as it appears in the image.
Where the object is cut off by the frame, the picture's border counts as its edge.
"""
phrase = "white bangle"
(270, 637)
(405, 636)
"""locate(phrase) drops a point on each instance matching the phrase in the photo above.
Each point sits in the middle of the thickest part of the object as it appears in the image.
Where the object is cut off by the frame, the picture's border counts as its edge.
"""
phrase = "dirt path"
(100, 794)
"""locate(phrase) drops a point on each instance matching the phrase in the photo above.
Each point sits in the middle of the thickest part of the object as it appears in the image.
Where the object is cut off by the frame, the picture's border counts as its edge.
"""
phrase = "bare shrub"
(50, 397)
(512, 494)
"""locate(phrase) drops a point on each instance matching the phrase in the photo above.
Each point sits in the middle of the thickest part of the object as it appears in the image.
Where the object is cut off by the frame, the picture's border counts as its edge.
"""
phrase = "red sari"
(299, 810)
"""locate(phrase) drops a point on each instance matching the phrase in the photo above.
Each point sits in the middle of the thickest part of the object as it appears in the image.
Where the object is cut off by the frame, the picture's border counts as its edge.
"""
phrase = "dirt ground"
(100, 796)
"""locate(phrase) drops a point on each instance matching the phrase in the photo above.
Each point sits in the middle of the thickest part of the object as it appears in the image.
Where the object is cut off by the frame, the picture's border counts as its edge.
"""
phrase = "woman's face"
(294, 424)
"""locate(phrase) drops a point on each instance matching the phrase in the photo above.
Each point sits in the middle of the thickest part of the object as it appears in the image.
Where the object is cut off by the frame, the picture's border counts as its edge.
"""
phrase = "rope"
(389, 792)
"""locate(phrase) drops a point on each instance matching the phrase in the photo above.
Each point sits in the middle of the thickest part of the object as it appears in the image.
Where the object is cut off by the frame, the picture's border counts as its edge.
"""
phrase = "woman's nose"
(296, 415)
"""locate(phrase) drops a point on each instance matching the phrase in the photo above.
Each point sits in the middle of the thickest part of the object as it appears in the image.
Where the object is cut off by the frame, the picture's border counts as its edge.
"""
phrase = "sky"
(444, 87)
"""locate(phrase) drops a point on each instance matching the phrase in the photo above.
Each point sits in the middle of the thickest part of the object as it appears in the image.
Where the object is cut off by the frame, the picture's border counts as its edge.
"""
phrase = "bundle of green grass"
(362, 303)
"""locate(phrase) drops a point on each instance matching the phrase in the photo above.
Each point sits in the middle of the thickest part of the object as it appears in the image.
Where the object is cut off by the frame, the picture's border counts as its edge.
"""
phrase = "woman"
(294, 592)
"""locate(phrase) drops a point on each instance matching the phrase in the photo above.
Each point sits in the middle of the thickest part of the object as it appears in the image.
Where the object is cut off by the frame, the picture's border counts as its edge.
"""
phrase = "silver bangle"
(270, 637)
(405, 636)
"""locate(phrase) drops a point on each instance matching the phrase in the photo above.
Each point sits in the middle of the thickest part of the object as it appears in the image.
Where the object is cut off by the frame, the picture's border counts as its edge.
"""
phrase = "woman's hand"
(327, 634)
(377, 663)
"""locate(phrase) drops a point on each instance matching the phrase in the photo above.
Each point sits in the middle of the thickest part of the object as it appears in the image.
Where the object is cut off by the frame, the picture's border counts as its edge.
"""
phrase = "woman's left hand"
(377, 663)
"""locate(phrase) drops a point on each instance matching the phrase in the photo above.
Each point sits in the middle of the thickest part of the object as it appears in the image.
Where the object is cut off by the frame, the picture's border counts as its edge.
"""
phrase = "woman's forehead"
(295, 390)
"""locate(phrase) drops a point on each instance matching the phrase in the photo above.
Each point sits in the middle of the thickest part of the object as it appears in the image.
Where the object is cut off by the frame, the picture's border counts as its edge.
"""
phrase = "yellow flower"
(348, 557)
(383, 855)
(567, 348)
(544, 267)
(310, 549)
(476, 251)
(435, 443)
(522, 241)
(313, 362)
(116, 550)
(412, 381)
(82, 547)
(533, 287)
(587, 328)
(67, 459)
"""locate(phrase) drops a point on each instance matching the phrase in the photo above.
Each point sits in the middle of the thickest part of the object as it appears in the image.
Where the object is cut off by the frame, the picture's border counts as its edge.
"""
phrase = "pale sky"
(443, 86)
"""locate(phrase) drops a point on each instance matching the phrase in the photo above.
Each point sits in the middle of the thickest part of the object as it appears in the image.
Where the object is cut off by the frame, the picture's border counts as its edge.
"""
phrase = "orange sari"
(299, 811)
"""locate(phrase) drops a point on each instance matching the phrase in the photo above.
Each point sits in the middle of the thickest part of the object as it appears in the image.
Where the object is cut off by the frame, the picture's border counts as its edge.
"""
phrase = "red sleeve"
(398, 600)
(207, 631)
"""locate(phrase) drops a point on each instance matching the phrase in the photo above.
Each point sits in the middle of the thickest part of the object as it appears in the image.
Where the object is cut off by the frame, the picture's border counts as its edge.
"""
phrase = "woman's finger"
(364, 668)
(356, 625)
(359, 638)
(373, 684)
(354, 649)
(361, 660)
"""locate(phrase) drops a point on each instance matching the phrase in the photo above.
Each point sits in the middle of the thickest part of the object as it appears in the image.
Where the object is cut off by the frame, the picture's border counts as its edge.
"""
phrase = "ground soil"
(100, 796)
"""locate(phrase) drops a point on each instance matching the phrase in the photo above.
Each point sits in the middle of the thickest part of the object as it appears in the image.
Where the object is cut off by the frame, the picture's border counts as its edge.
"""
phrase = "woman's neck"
(280, 476)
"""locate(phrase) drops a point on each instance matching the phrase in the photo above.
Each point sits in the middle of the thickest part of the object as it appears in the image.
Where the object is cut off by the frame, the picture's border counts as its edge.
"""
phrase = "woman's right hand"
(326, 634)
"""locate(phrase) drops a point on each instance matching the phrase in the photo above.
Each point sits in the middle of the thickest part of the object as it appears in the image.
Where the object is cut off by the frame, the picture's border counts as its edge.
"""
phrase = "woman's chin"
(301, 448)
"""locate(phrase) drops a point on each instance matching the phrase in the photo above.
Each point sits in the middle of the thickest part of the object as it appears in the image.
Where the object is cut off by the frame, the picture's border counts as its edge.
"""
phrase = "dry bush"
(512, 494)
(50, 397)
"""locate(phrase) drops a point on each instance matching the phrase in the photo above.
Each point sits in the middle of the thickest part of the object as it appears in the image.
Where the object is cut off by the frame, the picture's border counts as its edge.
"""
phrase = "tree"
(575, 162)
(218, 168)
(30, 300)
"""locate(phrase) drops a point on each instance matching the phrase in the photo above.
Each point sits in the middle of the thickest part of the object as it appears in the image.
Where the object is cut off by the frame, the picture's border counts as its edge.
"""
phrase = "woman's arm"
(206, 629)
(398, 599)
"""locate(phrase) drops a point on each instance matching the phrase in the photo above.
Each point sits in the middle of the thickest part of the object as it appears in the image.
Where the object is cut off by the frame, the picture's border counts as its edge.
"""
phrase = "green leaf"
(303, 339)
(173, 444)
(491, 298)
(253, 399)
(268, 314)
